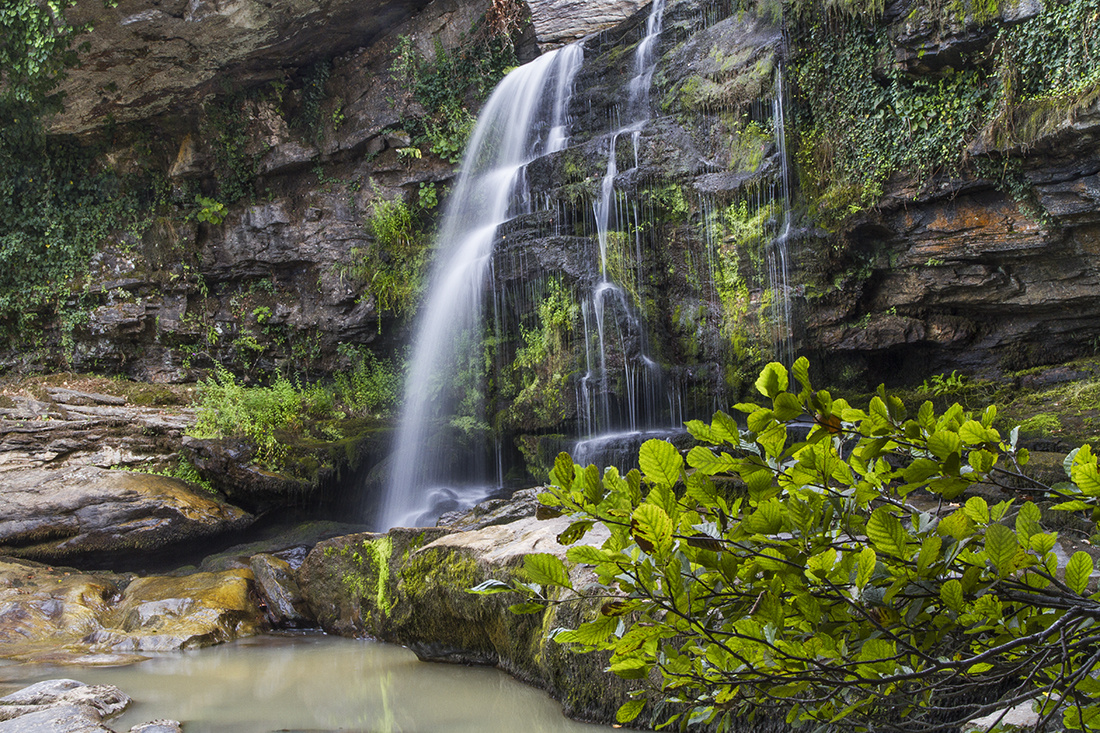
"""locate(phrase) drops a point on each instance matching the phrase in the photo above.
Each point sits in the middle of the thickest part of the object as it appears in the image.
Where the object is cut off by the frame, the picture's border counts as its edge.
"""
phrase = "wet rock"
(165, 614)
(54, 614)
(61, 706)
(409, 587)
(147, 58)
(86, 510)
(278, 587)
(158, 726)
(522, 504)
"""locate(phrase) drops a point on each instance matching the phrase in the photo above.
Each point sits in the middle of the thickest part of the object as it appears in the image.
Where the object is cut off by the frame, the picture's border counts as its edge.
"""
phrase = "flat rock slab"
(76, 510)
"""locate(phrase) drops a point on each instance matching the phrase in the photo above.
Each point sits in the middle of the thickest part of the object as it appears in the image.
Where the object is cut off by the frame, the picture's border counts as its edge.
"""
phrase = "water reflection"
(317, 683)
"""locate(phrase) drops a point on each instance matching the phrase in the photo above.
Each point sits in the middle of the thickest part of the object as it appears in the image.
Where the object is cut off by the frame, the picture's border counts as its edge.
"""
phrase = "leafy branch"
(783, 567)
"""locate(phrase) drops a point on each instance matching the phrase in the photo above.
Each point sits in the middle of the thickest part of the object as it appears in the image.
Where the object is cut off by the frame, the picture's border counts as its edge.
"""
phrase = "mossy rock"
(410, 587)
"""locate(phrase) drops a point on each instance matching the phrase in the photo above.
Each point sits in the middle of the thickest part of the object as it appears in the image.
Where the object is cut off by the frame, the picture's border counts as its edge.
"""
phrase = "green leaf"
(886, 533)
(867, 561)
(652, 530)
(977, 509)
(660, 462)
(787, 407)
(563, 471)
(1001, 546)
(546, 569)
(1078, 570)
(973, 432)
(586, 555)
(593, 487)
(703, 459)
(951, 593)
(629, 711)
(725, 427)
(772, 380)
(575, 531)
(630, 668)
(590, 633)
(521, 609)
(943, 443)
(1027, 522)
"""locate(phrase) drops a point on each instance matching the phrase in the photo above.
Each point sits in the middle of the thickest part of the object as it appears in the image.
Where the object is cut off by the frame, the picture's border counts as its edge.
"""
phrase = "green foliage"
(210, 211)
(228, 408)
(783, 573)
(372, 385)
(445, 84)
(313, 94)
(182, 469)
(393, 266)
(225, 125)
(544, 362)
(35, 51)
(863, 121)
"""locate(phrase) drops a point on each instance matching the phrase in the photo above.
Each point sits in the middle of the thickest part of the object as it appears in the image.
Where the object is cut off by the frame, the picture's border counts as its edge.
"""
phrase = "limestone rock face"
(148, 57)
(559, 22)
(86, 510)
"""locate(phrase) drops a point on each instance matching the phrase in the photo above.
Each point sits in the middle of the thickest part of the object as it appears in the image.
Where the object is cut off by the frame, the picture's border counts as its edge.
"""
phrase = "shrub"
(785, 569)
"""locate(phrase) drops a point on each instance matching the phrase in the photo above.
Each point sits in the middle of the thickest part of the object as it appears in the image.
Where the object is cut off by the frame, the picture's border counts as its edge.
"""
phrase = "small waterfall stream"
(525, 118)
(601, 429)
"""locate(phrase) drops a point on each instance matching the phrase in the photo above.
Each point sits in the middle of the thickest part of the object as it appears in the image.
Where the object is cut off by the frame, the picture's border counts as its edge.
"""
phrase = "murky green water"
(318, 683)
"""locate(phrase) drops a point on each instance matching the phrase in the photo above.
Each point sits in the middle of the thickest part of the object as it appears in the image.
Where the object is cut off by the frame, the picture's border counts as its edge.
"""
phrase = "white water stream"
(642, 378)
(525, 118)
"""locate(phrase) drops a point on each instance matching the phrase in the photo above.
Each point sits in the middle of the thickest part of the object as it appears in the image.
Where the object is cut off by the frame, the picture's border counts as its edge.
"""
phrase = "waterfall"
(600, 425)
(525, 118)
(777, 251)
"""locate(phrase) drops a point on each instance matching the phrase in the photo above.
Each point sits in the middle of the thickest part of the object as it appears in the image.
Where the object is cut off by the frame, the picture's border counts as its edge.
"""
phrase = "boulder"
(277, 586)
(61, 706)
(83, 511)
(410, 587)
(57, 615)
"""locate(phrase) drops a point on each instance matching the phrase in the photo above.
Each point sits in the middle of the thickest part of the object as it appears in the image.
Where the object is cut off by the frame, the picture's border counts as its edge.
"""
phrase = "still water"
(317, 683)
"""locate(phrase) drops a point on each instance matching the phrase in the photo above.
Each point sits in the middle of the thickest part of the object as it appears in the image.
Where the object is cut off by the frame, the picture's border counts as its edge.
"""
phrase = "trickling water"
(609, 303)
(524, 119)
(777, 251)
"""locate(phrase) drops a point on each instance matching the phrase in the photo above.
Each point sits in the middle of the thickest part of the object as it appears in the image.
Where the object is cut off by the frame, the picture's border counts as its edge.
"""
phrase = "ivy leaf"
(660, 462)
(1078, 570)
(546, 569)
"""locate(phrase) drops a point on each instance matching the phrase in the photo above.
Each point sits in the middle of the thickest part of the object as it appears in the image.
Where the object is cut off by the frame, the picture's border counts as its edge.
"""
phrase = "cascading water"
(525, 118)
(778, 254)
(642, 377)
